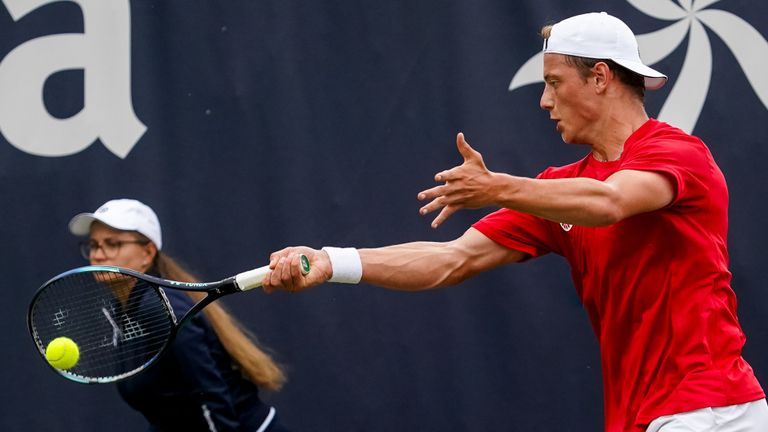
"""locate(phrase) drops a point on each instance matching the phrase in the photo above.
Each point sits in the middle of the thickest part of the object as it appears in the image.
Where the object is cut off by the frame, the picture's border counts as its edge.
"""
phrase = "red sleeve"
(523, 232)
(683, 159)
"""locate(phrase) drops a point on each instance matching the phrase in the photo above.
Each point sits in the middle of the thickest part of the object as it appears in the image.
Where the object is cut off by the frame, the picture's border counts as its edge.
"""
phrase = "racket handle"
(254, 278)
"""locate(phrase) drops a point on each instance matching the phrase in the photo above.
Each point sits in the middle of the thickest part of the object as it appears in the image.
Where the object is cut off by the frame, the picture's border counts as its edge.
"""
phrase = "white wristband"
(345, 264)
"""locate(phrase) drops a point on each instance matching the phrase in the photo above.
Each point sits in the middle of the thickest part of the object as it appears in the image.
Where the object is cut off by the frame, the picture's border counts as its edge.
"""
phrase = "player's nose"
(546, 102)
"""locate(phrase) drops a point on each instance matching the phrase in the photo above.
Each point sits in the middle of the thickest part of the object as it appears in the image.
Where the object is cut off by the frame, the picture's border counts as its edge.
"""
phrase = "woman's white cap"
(122, 214)
(601, 36)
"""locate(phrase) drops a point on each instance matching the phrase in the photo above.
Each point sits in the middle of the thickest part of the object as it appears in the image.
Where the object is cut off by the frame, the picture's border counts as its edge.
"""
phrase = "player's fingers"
(463, 146)
(284, 265)
(295, 268)
(447, 175)
(431, 193)
(445, 213)
(274, 275)
(276, 255)
(471, 156)
(266, 286)
(293, 264)
(432, 206)
(465, 149)
(271, 282)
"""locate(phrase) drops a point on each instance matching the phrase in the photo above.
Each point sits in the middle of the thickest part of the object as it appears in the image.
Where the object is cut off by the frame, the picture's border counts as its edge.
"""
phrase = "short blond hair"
(546, 31)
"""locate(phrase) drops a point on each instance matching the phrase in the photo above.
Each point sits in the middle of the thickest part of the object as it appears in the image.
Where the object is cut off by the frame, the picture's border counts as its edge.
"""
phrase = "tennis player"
(642, 220)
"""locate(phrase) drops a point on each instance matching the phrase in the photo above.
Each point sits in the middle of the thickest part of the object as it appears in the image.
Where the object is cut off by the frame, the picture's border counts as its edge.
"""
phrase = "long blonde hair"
(257, 365)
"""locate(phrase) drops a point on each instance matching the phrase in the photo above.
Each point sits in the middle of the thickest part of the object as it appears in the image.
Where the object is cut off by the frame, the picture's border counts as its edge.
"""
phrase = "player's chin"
(568, 138)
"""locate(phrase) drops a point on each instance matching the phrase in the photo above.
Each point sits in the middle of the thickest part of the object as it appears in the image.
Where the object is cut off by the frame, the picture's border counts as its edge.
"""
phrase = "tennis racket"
(120, 319)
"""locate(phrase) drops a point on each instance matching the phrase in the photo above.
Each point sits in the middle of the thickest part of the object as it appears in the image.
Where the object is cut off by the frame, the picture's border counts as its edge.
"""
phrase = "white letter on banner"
(102, 52)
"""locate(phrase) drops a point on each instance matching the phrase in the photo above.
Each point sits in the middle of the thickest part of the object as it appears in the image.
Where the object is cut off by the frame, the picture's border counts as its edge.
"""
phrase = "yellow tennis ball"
(62, 353)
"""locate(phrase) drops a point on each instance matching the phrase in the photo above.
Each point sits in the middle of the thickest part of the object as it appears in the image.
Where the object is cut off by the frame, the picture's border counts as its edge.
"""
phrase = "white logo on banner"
(102, 53)
(686, 99)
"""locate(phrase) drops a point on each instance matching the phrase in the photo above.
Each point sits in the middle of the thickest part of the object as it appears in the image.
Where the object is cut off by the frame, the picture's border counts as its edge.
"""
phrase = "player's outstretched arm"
(579, 201)
(409, 266)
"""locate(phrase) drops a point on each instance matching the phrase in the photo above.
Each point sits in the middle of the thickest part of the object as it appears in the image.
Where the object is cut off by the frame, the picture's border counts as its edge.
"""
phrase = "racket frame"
(215, 290)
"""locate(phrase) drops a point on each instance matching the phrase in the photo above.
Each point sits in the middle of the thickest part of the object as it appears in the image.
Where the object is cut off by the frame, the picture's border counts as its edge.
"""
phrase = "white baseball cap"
(601, 36)
(122, 214)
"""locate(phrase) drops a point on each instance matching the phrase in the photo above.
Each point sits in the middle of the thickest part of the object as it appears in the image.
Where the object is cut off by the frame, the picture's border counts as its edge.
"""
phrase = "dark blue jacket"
(195, 386)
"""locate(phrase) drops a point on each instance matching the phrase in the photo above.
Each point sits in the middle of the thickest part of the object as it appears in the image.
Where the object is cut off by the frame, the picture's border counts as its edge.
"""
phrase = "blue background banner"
(250, 125)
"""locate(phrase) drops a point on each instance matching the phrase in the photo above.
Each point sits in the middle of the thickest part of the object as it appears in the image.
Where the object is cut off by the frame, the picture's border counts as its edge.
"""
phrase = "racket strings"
(119, 322)
(138, 325)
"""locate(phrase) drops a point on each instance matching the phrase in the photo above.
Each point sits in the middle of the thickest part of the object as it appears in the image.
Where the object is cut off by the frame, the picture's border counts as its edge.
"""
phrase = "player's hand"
(286, 273)
(465, 186)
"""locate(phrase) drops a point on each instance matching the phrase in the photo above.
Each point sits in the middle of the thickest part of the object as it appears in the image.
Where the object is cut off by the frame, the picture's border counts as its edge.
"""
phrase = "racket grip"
(254, 278)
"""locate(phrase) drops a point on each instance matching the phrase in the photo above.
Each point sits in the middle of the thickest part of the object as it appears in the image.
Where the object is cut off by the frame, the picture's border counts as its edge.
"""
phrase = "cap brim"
(80, 225)
(653, 79)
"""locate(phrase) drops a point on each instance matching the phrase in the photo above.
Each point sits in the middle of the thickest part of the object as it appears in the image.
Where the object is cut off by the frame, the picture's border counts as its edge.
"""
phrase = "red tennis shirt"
(656, 285)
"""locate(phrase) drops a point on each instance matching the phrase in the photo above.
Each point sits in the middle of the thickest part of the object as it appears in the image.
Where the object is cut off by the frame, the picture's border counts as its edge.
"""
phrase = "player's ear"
(601, 73)
(150, 252)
